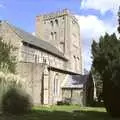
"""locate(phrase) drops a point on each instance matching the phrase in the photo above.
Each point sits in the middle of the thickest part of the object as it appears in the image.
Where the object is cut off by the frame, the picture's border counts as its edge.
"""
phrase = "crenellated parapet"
(57, 14)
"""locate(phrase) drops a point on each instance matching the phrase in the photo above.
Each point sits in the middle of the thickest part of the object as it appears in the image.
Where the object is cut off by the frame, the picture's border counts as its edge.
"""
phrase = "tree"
(98, 84)
(106, 61)
(7, 60)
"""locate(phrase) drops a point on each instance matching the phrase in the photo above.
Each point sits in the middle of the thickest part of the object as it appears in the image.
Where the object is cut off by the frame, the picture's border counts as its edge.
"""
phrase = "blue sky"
(23, 12)
(94, 16)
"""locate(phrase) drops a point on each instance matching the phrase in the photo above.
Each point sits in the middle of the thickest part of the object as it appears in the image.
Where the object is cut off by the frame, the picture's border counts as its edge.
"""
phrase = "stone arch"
(56, 22)
(56, 84)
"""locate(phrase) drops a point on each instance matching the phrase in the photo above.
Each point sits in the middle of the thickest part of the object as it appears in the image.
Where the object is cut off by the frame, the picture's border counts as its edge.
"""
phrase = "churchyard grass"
(62, 113)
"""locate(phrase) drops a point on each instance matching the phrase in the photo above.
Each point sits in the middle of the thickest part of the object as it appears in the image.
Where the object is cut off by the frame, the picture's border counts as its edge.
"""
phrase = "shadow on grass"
(59, 115)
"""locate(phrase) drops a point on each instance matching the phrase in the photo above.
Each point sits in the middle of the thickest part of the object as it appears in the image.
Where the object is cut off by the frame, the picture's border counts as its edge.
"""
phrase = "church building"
(47, 59)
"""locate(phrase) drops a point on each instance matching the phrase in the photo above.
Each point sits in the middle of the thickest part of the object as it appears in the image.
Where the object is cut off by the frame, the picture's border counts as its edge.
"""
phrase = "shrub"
(14, 101)
(8, 80)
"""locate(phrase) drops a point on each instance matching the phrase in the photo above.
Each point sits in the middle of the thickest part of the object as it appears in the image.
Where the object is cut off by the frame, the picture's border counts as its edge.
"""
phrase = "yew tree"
(106, 61)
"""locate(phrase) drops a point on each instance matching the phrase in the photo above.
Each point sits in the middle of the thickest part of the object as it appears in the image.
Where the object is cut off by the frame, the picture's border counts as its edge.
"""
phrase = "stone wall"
(26, 53)
(55, 81)
(32, 73)
(75, 51)
(52, 30)
(61, 29)
(31, 67)
(74, 95)
(33, 55)
(42, 85)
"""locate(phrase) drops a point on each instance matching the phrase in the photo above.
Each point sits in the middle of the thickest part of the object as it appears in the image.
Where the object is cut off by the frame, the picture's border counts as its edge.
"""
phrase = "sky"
(95, 17)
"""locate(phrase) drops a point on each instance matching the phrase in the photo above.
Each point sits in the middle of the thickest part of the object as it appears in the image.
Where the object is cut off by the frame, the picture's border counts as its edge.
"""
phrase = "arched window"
(44, 60)
(55, 36)
(51, 22)
(51, 36)
(61, 46)
(56, 22)
(56, 85)
(74, 62)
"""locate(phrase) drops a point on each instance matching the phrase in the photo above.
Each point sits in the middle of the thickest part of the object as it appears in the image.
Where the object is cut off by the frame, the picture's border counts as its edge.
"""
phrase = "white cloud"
(102, 5)
(91, 28)
(33, 33)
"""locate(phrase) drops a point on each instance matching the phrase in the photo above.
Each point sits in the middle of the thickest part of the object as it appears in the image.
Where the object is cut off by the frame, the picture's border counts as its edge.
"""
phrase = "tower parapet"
(55, 14)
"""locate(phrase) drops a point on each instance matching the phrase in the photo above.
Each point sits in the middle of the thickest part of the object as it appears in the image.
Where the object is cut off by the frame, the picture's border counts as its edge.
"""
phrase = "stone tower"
(61, 29)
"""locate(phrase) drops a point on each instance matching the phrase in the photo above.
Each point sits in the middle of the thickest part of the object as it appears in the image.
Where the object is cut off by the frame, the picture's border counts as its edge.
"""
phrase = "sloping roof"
(75, 81)
(32, 40)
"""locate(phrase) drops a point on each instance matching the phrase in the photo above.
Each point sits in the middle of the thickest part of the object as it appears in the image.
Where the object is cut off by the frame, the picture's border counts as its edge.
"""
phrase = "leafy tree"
(7, 60)
(106, 61)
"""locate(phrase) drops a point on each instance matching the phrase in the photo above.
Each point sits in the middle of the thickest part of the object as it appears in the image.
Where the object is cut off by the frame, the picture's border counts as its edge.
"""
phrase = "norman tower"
(61, 29)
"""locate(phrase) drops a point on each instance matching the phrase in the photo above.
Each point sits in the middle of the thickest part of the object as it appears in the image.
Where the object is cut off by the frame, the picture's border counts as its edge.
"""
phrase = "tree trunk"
(111, 96)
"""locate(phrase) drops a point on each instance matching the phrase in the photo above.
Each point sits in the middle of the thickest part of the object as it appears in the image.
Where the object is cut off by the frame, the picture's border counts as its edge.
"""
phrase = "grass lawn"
(62, 113)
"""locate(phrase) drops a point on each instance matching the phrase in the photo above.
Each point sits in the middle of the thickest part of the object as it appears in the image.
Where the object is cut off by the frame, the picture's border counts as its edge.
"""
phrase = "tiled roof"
(41, 44)
(75, 81)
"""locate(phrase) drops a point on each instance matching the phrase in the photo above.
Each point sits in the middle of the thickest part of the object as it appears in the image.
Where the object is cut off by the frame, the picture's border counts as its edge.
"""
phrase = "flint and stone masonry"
(45, 60)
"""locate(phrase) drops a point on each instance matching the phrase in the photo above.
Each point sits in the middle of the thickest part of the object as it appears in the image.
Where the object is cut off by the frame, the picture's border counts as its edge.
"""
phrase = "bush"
(9, 80)
(14, 101)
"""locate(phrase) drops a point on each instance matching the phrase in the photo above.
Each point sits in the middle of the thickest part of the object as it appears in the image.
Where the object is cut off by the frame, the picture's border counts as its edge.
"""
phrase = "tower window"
(51, 22)
(74, 57)
(56, 21)
(73, 22)
(55, 35)
(52, 36)
(44, 22)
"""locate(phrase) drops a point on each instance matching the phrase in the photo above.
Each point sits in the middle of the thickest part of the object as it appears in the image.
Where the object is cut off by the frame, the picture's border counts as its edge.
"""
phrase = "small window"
(56, 85)
(56, 21)
(51, 33)
(44, 60)
(74, 56)
(44, 22)
(52, 36)
(55, 35)
(51, 23)
(36, 58)
(73, 22)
